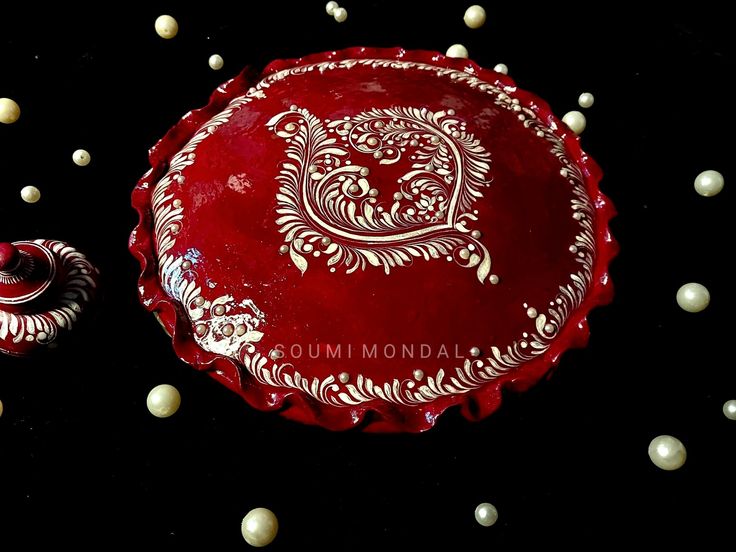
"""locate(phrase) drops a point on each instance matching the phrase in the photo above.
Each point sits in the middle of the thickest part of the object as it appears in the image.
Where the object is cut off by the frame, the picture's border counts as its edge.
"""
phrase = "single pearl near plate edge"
(693, 297)
(216, 62)
(9, 111)
(259, 527)
(709, 183)
(486, 514)
(501, 68)
(81, 158)
(586, 100)
(30, 194)
(166, 26)
(667, 452)
(575, 120)
(729, 409)
(475, 16)
(163, 400)
(457, 51)
(330, 7)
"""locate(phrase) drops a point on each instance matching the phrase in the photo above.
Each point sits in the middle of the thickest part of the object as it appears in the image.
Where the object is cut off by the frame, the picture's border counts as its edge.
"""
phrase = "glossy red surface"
(275, 250)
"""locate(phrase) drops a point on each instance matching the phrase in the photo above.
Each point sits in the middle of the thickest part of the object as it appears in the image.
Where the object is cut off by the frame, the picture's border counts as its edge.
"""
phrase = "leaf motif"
(299, 261)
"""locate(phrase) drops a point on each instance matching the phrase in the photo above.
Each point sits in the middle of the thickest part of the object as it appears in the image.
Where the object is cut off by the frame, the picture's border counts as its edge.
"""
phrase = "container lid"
(45, 286)
(371, 236)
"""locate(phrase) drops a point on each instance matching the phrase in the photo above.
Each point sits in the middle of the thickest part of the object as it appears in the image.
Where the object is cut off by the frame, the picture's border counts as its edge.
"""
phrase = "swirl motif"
(326, 203)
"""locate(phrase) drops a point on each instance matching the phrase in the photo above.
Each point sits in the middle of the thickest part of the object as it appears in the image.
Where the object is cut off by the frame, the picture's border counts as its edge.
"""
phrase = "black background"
(82, 462)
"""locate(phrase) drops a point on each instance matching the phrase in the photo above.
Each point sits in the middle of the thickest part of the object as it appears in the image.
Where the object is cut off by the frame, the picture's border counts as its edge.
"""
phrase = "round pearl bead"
(729, 409)
(457, 51)
(475, 16)
(9, 111)
(81, 157)
(163, 401)
(259, 527)
(486, 514)
(693, 297)
(575, 120)
(30, 194)
(340, 14)
(216, 62)
(667, 452)
(166, 26)
(331, 7)
(1, 408)
(709, 183)
(501, 68)
(586, 100)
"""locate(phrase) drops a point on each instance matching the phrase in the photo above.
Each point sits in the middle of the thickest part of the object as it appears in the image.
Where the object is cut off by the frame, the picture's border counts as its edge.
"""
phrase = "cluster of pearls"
(334, 9)
(166, 26)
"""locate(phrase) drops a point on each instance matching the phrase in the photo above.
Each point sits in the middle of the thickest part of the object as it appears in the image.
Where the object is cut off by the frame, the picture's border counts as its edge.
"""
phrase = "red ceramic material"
(368, 237)
(45, 285)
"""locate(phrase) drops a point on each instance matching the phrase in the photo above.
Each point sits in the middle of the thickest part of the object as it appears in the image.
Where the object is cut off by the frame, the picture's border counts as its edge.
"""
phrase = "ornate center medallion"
(326, 198)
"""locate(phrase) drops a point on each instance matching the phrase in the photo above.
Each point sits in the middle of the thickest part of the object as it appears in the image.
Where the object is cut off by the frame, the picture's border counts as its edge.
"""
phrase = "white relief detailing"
(178, 274)
(77, 291)
(326, 202)
(472, 373)
(26, 262)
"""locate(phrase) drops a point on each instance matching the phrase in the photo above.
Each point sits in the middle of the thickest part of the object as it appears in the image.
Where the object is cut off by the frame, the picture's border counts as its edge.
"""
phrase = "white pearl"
(475, 16)
(30, 194)
(340, 14)
(586, 100)
(81, 157)
(501, 68)
(1, 408)
(9, 111)
(331, 7)
(259, 527)
(729, 409)
(457, 51)
(486, 514)
(709, 183)
(693, 297)
(575, 120)
(216, 62)
(163, 400)
(166, 26)
(667, 452)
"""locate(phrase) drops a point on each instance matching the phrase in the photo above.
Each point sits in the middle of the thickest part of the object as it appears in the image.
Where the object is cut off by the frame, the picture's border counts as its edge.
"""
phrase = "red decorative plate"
(371, 236)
